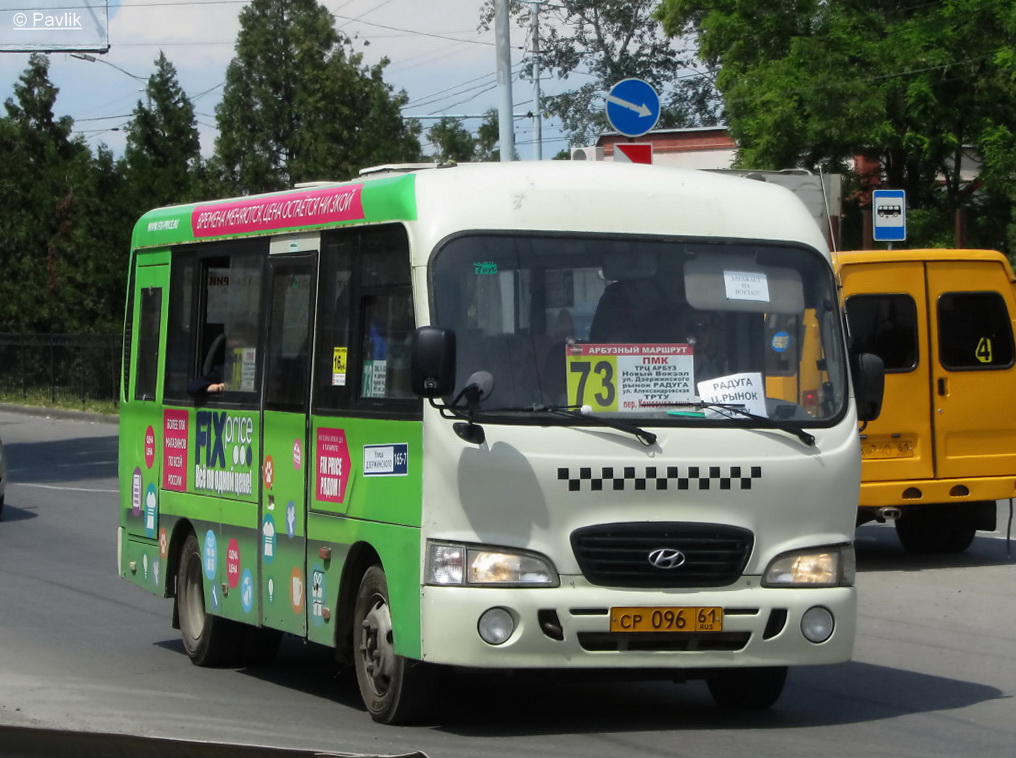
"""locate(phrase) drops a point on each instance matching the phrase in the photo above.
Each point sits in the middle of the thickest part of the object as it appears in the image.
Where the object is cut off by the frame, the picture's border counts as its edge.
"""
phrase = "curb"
(62, 413)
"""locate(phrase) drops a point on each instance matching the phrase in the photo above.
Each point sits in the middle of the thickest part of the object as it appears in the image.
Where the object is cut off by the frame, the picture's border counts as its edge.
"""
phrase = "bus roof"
(555, 196)
(870, 257)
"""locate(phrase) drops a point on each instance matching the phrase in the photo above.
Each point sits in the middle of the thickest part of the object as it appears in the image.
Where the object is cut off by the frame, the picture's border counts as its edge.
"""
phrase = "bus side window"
(365, 321)
(886, 325)
(386, 309)
(974, 331)
(148, 343)
(214, 309)
(179, 332)
(389, 323)
(333, 349)
(287, 358)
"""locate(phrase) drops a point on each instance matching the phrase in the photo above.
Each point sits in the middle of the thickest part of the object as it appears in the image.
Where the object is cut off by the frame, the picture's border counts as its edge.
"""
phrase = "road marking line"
(57, 487)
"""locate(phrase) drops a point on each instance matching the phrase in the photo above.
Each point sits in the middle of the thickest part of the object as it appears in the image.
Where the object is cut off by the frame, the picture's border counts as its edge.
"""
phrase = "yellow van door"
(970, 309)
(887, 310)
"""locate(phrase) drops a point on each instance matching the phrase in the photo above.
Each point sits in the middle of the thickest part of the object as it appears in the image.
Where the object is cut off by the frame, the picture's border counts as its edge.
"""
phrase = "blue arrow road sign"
(633, 107)
(889, 215)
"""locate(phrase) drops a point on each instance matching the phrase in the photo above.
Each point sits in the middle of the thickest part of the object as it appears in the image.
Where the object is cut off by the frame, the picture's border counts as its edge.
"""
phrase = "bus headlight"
(823, 567)
(474, 565)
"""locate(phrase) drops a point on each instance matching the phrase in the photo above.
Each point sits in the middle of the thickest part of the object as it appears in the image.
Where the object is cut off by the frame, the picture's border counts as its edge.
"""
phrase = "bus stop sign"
(889, 215)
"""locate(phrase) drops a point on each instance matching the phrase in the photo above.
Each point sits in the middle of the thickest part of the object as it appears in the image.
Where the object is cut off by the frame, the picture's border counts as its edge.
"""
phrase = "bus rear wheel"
(749, 689)
(932, 533)
(209, 640)
(395, 690)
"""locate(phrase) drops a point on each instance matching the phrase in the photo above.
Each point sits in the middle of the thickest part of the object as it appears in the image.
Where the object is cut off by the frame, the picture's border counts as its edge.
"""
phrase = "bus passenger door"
(971, 310)
(141, 412)
(283, 582)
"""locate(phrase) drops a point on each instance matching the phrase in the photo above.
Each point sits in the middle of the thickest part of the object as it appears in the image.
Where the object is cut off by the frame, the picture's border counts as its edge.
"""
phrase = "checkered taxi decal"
(661, 478)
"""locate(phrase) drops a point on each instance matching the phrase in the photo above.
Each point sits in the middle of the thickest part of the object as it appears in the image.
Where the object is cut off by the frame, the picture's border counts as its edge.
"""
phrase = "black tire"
(394, 689)
(749, 689)
(928, 534)
(209, 640)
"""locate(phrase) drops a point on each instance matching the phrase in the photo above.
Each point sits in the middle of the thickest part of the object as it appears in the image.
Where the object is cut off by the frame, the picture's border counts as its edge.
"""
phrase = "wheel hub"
(376, 649)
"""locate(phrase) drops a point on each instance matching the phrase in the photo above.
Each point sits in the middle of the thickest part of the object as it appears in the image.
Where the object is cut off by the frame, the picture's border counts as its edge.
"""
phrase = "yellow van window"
(974, 331)
(885, 325)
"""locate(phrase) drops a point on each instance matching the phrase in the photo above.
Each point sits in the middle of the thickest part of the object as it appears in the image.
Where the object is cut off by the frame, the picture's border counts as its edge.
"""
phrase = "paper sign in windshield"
(746, 285)
(747, 390)
(629, 378)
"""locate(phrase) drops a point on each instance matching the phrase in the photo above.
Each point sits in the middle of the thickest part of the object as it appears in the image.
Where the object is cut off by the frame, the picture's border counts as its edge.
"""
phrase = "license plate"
(900, 448)
(672, 619)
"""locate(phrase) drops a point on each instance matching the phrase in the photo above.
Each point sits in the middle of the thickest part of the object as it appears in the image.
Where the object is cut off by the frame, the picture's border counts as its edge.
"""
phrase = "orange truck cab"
(943, 449)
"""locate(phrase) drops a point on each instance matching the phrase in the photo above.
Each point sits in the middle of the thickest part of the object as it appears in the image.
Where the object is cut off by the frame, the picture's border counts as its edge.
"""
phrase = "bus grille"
(618, 555)
(606, 642)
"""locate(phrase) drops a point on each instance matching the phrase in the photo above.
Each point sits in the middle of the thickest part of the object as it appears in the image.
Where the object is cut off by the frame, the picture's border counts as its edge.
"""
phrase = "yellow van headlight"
(815, 567)
(479, 565)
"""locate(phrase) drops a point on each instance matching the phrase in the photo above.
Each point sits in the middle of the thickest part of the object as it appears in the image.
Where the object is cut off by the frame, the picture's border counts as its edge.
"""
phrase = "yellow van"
(943, 449)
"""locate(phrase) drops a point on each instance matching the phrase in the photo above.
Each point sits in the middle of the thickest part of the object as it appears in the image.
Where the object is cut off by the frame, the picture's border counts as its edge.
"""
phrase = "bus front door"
(142, 409)
(283, 560)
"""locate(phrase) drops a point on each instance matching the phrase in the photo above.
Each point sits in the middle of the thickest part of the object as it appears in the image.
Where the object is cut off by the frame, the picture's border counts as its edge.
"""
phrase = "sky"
(437, 56)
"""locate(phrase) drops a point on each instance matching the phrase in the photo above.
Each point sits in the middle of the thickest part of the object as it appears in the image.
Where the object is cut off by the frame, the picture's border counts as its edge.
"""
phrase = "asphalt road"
(934, 671)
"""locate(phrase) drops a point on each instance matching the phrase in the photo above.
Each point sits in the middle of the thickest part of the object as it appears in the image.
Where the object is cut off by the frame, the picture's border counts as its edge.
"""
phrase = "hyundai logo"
(667, 558)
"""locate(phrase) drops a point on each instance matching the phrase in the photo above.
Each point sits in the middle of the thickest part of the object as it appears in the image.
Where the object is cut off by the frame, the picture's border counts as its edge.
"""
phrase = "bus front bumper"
(570, 627)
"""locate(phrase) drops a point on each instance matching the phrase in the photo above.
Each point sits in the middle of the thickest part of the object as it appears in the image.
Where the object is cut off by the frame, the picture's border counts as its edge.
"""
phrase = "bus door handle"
(943, 387)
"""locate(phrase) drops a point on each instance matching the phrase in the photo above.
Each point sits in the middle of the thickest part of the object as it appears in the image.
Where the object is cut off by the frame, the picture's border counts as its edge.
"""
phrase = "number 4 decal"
(983, 351)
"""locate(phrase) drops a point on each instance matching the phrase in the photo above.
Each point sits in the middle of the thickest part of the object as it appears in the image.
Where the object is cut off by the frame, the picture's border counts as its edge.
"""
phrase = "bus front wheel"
(396, 690)
(209, 640)
(748, 689)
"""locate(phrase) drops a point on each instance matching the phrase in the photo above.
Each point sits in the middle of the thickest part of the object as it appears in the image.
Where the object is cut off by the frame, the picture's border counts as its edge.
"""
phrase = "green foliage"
(453, 142)
(605, 41)
(163, 153)
(44, 192)
(810, 83)
(299, 105)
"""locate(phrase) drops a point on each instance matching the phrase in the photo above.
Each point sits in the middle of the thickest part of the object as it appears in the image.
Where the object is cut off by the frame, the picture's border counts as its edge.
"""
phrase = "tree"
(63, 234)
(452, 140)
(455, 143)
(298, 104)
(607, 41)
(94, 246)
(162, 156)
(38, 196)
(910, 84)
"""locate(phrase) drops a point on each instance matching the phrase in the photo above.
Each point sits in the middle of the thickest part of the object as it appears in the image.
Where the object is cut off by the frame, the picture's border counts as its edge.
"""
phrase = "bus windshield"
(652, 330)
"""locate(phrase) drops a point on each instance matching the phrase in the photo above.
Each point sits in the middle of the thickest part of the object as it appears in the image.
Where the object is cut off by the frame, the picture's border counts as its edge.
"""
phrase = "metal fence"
(61, 369)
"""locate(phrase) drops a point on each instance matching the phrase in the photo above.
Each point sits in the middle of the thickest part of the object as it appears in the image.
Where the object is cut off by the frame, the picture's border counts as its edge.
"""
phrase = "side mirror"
(432, 367)
(869, 385)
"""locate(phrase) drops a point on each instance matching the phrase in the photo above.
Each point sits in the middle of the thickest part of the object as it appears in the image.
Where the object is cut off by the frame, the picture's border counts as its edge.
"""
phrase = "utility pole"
(535, 10)
(506, 108)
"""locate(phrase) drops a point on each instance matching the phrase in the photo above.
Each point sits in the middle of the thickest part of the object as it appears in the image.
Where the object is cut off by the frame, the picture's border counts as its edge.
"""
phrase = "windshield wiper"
(765, 421)
(582, 414)
(479, 387)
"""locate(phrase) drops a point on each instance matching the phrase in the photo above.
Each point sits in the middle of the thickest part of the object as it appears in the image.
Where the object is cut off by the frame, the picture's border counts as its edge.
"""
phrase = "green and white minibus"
(519, 416)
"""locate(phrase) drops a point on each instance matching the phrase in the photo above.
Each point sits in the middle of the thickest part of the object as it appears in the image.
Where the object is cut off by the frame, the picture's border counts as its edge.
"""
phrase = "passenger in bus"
(710, 362)
(211, 380)
(235, 348)
(209, 384)
(641, 309)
